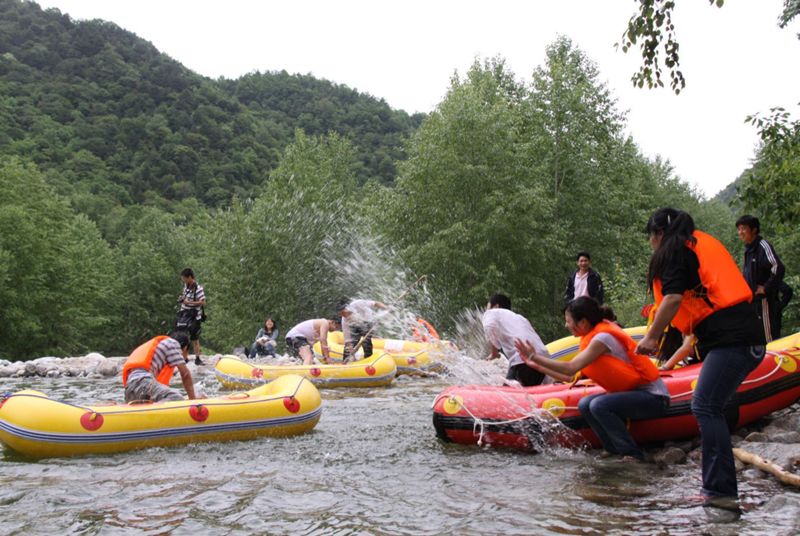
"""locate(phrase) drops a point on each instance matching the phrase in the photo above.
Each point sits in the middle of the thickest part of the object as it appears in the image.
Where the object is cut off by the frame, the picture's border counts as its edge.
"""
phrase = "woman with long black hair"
(699, 289)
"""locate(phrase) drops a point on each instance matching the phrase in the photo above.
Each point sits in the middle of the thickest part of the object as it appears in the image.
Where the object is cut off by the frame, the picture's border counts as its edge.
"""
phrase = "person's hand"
(647, 346)
(760, 290)
(526, 351)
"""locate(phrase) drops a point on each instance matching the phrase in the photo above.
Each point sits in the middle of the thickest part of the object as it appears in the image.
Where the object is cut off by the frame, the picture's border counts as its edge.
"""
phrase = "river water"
(373, 465)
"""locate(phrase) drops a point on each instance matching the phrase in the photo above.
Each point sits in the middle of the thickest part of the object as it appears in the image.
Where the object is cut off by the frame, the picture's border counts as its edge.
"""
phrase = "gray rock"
(670, 456)
(6, 372)
(30, 369)
(41, 370)
(107, 368)
(787, 505)
(19, 373)
(696, 455)
(781, 454)
(53, 373)
(785, 437)
(685, 446)
(753, 474)
(757, 437)
(94, 356)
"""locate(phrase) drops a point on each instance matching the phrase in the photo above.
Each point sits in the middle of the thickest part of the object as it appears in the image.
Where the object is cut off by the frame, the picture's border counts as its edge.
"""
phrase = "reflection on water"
(372, 465)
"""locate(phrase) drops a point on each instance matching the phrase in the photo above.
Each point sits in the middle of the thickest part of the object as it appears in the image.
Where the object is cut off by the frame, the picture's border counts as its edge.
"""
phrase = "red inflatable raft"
(530, 417)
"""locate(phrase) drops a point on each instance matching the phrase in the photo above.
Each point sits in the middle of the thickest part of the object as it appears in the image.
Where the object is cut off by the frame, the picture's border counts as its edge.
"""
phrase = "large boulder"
(107, 368)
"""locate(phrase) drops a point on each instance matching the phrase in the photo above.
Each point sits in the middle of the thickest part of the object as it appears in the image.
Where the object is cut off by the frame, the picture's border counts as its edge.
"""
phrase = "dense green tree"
(276, 255)
(58, 288)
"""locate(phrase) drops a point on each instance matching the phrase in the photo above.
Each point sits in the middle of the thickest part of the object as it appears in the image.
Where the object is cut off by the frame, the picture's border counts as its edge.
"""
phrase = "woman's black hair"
(585, 307)
(677, 227)
(274, 324)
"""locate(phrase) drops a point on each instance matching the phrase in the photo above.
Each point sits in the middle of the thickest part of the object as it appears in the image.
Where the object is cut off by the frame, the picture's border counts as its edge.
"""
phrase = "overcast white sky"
(735, 59)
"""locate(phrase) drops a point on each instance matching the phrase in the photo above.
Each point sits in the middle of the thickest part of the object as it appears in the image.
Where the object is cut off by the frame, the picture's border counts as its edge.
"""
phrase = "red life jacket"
(142, 357)
(612, 373)
(723, 284)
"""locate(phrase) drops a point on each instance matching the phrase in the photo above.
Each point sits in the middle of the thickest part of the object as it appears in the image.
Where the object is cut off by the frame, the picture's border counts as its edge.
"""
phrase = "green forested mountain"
(119, 167)
(103, 112)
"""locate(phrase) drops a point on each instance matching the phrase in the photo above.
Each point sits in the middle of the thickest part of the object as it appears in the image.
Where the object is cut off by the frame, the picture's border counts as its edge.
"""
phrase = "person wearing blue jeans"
(699, 289)
(723, 370)
(607, 413)
(606, 355)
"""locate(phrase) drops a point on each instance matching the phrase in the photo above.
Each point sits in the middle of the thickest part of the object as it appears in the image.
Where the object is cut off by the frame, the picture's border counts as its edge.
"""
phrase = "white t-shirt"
(581, 285)
(305, 329)
(503, 327)
(361, 312)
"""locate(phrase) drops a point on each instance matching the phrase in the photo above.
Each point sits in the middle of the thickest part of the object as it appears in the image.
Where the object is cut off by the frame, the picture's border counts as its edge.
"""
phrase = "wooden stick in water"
(767, 466)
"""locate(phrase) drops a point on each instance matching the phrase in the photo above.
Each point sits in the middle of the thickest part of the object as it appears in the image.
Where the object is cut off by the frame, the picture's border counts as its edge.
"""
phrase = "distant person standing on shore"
(584, 281)
(763, 271)
(191, 314)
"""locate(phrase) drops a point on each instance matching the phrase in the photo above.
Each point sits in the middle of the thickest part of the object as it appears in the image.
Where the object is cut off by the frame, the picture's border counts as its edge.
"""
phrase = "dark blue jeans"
(722, 372)
(606, 414)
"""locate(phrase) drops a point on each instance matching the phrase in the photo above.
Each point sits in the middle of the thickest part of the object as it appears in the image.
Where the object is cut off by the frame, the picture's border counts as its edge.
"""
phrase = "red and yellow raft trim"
(524, 418)
(376, 371)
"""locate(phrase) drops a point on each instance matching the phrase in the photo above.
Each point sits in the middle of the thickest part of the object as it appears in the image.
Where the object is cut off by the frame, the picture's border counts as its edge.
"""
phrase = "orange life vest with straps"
(614, 374)
(142, 357)
(722, 284)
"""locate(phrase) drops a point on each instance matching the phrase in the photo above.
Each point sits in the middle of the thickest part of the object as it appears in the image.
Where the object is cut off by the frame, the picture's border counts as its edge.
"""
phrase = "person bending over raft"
(699, 288)
(302, 337)
(607, 356)
(358, 321)
(148, 370)
(503, 328)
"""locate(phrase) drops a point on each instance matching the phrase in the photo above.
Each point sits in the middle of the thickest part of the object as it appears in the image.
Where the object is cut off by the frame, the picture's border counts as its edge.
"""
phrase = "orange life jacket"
(723, 285)
(142, 357)
(427, 335)
(614, 374)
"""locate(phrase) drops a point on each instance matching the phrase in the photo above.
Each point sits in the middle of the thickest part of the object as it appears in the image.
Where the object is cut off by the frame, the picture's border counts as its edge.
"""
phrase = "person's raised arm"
(664, 314)
(680, 354)
(561, 370)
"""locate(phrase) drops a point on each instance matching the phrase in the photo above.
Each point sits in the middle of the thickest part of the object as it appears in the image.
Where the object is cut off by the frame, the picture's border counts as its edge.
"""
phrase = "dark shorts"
(293, 344)
(357, 332)
(525, 375)
(190, 325)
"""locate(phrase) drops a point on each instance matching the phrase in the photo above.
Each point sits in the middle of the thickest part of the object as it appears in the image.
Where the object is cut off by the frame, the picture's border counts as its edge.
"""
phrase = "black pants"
(358, 331)
(768, 312)
(525, 375)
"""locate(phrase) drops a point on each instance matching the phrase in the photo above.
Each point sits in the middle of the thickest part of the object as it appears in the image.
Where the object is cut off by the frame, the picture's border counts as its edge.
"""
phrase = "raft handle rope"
(479, 424)
(193, 403)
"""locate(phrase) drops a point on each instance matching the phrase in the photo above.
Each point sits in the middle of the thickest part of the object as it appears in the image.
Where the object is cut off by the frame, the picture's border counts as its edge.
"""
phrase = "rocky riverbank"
(93, 365)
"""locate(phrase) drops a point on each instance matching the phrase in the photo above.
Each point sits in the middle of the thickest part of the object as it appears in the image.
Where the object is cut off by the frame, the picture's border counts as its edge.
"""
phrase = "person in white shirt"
(358, 321)
(301, 338)
(584, 281)
(503, 328)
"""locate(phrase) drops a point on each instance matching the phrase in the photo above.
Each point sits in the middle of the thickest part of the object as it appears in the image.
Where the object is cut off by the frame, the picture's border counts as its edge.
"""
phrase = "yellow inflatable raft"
(38, 426)
(377, 371)
(411, 357)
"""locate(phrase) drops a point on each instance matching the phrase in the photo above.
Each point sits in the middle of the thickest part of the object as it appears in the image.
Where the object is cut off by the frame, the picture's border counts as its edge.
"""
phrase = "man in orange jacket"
(148, 370)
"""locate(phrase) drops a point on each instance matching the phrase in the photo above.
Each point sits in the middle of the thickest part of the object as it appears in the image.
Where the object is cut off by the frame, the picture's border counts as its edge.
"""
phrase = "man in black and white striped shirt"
(763, 271)
(148, 370)
(190, 316)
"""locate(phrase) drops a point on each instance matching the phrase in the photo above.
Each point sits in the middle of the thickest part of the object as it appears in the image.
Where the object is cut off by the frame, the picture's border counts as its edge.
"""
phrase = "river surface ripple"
(373, 465)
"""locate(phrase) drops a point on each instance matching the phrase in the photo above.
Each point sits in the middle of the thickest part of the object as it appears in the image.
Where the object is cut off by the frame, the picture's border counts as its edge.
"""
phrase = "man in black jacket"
(584, 281)
(763, 271)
